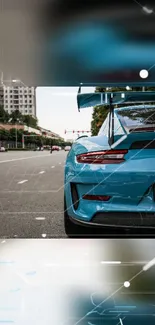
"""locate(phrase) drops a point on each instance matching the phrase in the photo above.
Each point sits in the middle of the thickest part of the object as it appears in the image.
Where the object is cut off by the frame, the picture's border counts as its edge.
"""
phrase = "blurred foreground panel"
(64, 43)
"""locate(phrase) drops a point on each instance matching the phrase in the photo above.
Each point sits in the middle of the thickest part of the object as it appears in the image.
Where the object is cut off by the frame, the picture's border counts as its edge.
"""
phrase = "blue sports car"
(110, 178)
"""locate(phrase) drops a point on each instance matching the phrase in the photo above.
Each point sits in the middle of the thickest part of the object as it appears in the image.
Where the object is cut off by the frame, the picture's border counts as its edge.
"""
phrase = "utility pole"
(23, 143)
(16, 136)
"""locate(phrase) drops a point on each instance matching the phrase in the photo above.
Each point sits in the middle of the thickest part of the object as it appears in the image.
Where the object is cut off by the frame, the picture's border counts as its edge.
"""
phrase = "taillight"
(96, 197)
(102, 157)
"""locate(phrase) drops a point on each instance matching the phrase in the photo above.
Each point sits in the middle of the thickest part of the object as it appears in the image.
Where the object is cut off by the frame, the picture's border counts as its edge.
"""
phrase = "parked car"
(113, 186)
(3, 149)
(39, 149)
(55, 148)
(67, 148)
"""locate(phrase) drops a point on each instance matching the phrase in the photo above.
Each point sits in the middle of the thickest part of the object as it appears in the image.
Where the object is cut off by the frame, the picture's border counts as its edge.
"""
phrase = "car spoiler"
(114, 98)
(110, 99)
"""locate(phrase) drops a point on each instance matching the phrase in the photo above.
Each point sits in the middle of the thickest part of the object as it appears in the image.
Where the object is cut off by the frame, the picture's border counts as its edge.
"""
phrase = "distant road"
(31, 194)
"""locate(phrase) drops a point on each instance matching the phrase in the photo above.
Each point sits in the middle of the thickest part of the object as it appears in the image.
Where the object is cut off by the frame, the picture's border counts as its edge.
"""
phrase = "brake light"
(102, 157)
(96, 197)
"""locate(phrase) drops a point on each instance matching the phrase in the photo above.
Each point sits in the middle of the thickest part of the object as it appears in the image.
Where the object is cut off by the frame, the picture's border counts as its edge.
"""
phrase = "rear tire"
(71, 229)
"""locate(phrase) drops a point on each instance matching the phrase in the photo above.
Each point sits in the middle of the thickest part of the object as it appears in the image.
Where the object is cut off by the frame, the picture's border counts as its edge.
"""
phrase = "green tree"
(12, 134)
(4, 116)
(16, 117)
(4, 134)
(99, 115)
(30, 121)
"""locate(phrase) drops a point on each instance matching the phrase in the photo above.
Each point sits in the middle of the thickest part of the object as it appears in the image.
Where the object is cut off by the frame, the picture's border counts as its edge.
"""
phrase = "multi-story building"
(1, 96)
(50, 134)
(19, 98)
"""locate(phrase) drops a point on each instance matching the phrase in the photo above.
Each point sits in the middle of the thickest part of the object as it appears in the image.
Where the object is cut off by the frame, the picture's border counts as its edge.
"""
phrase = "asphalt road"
(31, 194)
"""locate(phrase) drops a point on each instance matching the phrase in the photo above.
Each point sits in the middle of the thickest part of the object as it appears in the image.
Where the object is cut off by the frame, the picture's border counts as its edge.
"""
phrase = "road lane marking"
(16, 159)
(42, 172)
(21, 182)
(59, 163)
(40, 218)
(53, 167)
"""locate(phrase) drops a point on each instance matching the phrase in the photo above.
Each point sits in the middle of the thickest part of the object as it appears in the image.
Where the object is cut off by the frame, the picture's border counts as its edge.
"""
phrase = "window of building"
(11, 106)
(25, 111)
(30, 111)
(6, 106)
(10, 96)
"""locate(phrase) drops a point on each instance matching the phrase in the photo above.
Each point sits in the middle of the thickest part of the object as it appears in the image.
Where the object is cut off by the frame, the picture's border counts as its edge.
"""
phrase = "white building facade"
(20, 98)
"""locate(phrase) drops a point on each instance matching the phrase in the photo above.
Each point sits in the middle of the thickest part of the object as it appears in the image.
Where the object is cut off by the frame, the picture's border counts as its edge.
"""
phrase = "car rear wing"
(114, 98)
(110, 99)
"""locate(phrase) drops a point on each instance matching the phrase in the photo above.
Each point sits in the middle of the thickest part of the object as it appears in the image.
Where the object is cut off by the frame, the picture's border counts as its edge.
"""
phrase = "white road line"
(16, 159)
(42, 172)
(40, 218)
(59, 163)
(53, 167)
(21, 182)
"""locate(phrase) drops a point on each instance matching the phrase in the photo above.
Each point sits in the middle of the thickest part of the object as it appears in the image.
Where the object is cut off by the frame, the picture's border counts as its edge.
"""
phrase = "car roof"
(133, 107)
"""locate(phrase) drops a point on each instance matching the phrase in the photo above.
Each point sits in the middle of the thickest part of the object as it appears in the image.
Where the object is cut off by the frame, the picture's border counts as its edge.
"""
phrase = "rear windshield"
(137, 116)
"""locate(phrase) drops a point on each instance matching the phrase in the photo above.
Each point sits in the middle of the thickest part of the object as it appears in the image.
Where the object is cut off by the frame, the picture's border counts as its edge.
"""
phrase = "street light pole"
(10, 120)
(16, 136)
(23, 142)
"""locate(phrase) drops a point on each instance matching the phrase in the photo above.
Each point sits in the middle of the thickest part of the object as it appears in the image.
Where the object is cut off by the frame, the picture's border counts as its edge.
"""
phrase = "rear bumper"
(145, 222)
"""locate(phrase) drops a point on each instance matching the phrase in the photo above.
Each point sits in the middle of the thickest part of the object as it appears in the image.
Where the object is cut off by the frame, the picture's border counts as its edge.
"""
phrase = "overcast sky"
(57, 110)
